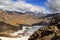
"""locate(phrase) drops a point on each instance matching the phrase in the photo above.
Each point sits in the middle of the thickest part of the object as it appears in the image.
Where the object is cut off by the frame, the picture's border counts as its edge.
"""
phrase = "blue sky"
(35, 2)
(24, 5)
(14, 0)
(30, 5)
(38, 3)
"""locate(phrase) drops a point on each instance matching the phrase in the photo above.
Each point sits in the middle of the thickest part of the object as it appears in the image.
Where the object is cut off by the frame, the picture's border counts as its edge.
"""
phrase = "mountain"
(46, 33)
(49, 32)
(39, 14)
(52, 14)
(7, 28)
(15, 18)
(11, 21)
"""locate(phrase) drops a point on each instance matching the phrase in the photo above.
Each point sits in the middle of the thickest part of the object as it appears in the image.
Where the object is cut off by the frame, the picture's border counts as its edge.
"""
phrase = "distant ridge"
(15, 18)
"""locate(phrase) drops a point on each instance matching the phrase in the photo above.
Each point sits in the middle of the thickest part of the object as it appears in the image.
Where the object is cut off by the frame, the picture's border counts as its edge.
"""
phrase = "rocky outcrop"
(49, 32)
(46, 33)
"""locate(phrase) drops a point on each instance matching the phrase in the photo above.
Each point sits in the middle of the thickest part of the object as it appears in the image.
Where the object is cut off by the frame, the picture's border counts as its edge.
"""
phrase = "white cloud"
(54, 5)
(20, 5)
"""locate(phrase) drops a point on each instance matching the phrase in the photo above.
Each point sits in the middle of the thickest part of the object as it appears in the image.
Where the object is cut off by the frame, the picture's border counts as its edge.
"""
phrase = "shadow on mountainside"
(7, 29)
(49, 32)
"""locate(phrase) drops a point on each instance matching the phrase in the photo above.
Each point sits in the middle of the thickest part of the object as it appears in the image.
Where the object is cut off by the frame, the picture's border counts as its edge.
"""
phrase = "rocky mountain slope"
(14, 18)
(14, 21)
(7, 29)
(49, 32)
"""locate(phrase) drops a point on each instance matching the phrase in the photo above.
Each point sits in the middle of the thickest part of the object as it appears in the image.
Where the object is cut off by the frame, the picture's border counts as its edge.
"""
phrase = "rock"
(49, 32)
(0, 39)
(46, 34)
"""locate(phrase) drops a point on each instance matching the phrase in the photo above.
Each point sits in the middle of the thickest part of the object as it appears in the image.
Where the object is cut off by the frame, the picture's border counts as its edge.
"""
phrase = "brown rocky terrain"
(49, 32)
(14, 18)
(46, 33)
(7, 29)
(13, 21)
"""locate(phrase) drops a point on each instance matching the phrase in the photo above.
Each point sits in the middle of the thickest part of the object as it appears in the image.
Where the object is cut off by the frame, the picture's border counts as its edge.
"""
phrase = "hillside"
(49, 32)
(13, 21)
(14, 18)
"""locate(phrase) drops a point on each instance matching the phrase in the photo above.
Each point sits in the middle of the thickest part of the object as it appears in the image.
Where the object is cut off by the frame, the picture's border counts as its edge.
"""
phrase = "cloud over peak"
(20, 6)
(54, 5)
